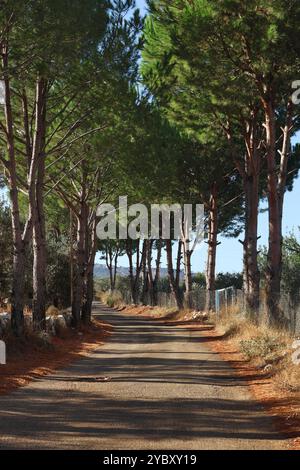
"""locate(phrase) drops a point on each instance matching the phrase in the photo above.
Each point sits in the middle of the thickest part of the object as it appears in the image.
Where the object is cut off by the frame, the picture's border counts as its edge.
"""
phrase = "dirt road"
(167, 390)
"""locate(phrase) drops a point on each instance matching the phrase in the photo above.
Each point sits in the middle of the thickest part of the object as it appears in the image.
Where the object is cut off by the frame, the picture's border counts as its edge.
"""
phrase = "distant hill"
(101, 271)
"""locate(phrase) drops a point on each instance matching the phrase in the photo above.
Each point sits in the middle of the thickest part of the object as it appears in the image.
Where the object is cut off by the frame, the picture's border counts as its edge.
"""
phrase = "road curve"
(167, 390)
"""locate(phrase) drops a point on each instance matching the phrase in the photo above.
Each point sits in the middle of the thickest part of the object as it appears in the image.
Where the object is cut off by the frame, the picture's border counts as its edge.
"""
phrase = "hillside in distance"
(101, 271)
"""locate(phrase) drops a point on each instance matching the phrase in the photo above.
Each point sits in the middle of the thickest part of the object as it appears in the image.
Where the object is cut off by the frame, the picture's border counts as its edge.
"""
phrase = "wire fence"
(227, 299)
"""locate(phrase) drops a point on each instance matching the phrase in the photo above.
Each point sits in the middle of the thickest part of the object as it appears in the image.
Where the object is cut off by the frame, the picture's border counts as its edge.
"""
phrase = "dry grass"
(52, 311)
(112, 299)
(267, 348)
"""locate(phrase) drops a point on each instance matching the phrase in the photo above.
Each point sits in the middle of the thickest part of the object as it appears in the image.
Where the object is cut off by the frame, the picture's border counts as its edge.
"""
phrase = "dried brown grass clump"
(111, 299)
(266, 347)
(52, 311)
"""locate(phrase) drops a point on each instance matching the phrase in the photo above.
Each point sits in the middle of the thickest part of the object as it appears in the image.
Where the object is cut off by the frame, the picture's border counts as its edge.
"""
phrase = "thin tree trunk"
(188, 276)
(109, 264)
(250, 174)
(71, 256)
(274, 268)
(173, 286)
(37, 208)
(157, 273)
(178, 263)
(19, 239)
(129, 252)
(150, 278)
(79, 271)
(250, 247)
(212, 249)
(88, 296)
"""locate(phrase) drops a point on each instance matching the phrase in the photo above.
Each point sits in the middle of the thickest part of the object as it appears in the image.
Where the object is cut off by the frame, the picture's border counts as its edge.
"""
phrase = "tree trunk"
(37, 209)
(109, 264)
(250, 174)
(188, 276)
(88, 296)
(157, 273)
(173, 286)
(150, 278)
(178, 263)
(274, 268)
(212, 249)
(252, 275)
(18, 287)
(20, 239)
(79, 271)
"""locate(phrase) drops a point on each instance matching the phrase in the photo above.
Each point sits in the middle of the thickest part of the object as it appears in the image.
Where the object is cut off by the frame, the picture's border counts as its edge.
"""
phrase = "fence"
(227, 298)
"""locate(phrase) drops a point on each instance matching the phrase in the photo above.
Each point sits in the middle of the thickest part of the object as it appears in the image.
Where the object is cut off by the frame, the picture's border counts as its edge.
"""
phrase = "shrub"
(261, 346)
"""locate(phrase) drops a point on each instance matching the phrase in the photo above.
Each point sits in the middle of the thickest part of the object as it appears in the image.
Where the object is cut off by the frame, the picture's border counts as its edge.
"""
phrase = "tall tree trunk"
(37, 209)
(274, 268)
(276, 191)
(252, 278)
(71, 255)
(79, 271)
(212, 249)
(150, 277)
(187, 254)
(20, 239)
(88, 295)
(178, 263)
(250, 174)
(144, 272)
(109, 264)
(134, 276)
(157, 272)
(173, 286)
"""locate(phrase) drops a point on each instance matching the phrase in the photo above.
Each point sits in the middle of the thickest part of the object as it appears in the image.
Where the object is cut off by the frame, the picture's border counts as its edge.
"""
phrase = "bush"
(261, 346)
(114, 299)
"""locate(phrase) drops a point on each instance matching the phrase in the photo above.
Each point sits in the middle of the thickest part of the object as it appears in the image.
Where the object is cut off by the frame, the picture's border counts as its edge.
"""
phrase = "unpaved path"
(167, 390)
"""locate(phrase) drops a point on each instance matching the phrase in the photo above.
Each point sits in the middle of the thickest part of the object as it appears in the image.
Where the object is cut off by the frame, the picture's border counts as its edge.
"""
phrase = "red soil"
(32, 361)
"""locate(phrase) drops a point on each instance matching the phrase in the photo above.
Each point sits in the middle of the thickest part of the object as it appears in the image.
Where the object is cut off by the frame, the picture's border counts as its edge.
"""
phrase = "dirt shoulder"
(30, 361)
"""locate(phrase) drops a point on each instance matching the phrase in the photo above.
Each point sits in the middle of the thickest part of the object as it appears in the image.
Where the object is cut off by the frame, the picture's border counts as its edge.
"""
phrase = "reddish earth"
(33, 361)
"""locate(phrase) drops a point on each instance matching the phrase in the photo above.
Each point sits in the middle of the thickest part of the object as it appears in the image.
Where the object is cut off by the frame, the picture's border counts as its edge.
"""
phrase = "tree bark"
(250, 248)
(20, 238)
(90, 253)
(212, 249)
(249, 171)
(154, 289)
(173, 286)
(178, 263)
(187, 254)
(274, 267)
(79, 271)
(37, 209)
(250, 177)
(135, 277)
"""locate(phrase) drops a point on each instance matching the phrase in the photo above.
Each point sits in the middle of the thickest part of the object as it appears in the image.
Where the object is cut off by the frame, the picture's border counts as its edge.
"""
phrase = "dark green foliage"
(290, 265)
(224, 280)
